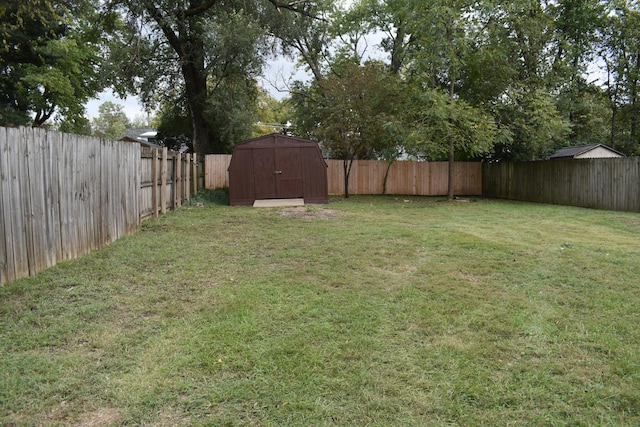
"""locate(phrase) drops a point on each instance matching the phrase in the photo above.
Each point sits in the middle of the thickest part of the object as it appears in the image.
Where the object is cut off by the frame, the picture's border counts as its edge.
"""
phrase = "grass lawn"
(373, 311)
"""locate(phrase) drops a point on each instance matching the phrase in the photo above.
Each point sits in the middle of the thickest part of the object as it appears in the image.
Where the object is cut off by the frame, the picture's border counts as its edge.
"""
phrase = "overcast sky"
(278, 73)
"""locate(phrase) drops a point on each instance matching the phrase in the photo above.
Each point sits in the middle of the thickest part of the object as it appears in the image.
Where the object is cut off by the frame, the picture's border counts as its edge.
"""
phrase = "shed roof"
(275, 139)
(572, 152)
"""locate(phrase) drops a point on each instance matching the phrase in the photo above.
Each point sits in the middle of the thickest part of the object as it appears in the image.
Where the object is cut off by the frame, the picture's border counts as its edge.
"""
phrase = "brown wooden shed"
(277, 166)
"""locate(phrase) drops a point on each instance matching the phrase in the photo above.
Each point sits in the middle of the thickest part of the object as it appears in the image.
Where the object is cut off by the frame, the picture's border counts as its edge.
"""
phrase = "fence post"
(187, 177)
(154, 183)
(163, 184)
(178, 183)
(194, 173)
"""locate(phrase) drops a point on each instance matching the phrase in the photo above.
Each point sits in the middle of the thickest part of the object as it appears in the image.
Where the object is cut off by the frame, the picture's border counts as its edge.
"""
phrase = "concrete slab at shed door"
(274, 203)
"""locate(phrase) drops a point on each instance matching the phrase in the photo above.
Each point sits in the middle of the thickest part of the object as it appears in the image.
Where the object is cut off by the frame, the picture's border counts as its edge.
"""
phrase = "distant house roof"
(144, 136)
(594, 151)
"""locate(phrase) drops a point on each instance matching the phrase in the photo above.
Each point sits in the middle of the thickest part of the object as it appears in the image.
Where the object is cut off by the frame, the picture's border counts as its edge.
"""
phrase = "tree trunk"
(196, 90)
(634, 102)
(346, 167)
(397, 53)
(451, 141)
(186, 41)
(451, 162)
(614, 108)
(386, 177)
(614, 116)
(452, 72)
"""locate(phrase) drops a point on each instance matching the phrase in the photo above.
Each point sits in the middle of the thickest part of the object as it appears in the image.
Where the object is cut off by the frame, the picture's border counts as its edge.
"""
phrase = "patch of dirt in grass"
(302, 212)
(397, 271)
(171, 417)
(99, 417)
(468, 277)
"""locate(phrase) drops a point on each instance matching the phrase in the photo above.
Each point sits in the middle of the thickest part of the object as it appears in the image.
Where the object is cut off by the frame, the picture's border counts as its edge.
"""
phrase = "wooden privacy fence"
(367, 177)
(167, 179)
(411, 178)
(612, 184)
(216, 174)
(64, 195)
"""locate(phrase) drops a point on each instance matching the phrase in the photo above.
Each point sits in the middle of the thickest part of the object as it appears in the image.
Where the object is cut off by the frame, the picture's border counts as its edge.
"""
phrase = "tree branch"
(292, 6)
(197, 10)
(165, 27)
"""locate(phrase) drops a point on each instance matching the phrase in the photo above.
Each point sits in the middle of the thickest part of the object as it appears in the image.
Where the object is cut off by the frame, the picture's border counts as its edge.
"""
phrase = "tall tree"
(443, 32)
(49, 60)
(307, 36)
(351, 112)
(196, 44)
(111, 123)
(621, 54)
(577, 25)
(526, 108)
(390, 19)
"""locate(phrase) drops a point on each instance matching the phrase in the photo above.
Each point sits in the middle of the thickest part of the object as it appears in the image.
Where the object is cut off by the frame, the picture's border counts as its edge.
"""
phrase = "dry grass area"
(310, 213)
(99, 417)
(369, 311)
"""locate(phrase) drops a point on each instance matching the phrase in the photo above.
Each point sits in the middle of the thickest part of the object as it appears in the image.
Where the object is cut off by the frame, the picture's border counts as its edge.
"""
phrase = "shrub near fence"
(64, 195)
(592, 183)
(367, 177)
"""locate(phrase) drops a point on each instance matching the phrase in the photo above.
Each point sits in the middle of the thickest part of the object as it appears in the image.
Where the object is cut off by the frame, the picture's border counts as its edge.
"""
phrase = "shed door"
(264, 173)
(278, 173)
(289, 173)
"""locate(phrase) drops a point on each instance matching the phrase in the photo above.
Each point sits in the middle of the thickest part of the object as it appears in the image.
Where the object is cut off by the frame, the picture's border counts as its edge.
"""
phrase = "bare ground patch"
(305, 212)
(99, 417)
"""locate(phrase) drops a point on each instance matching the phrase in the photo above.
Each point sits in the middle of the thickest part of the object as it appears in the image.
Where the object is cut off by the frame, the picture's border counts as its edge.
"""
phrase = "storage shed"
(277, 166)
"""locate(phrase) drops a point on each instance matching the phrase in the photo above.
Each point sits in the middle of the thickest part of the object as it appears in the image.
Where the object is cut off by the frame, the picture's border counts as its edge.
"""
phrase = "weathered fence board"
(58, 200)
(367, 177)
(16, 246)
(8, 260)
(166, 180)
(187, 177)
(216, 174)
(63, 195)
(592, 183)
(35, 202)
